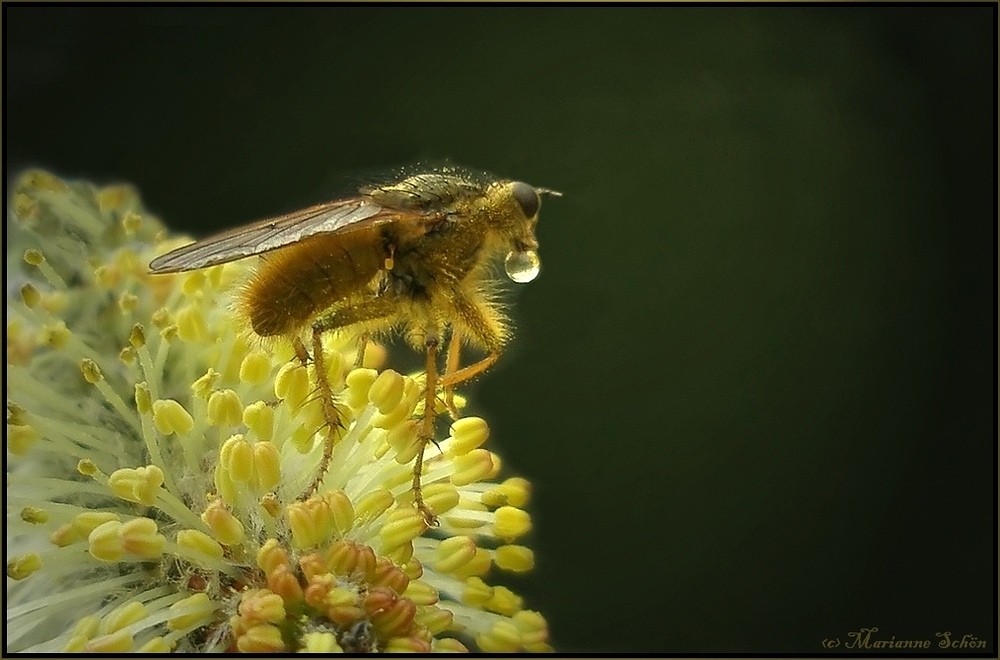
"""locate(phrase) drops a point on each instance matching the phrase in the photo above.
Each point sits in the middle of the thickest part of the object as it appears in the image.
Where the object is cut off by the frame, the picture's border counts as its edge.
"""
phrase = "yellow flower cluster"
(157, 456)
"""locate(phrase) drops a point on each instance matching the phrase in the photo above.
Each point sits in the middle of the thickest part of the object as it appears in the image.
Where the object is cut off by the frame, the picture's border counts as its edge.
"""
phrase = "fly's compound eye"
(526, 198)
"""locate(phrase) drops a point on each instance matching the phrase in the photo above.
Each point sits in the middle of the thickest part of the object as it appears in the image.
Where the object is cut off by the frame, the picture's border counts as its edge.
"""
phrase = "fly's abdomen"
(297, 282)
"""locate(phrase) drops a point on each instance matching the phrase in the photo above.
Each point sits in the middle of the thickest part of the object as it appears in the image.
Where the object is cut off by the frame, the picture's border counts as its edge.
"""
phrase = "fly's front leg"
(481, 323)
(454, 375)
(369, 310)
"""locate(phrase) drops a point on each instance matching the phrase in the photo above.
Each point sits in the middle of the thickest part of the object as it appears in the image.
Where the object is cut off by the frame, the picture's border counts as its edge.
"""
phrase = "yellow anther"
(477, 593)
(292, 384)
(128, 302)
(467, 434)
(341, 511)
(131, 222)
(123, 616)
(22, 566)
(236, 457)
(503, 637)
(225, 407)
(91, 372)
(453, 553)
(127, 355)
(515, 558)
(311, 522)
(87, 467)
(16, 414)
(140, 537)
(171, 417)
(261, 606)
(407, 644)
(255, 368)
(86, 522)
(265, 638)
(271, 555)
(137, 337)
(204, 386)
(479, 565)
(449, 645)
(421, 593)
(267, 465)
(441, 497)
(20, 438)
(269, 502)
(373, 504)
(226, 527)
(199, 541)
(191, 325)
(161, 318)
(386, 391)
(137, 484)
(402, 525)
(504, 601)
(534, 630)
(320, 642)
(471, 467)
(259, 418)
(143, 398)
(435, 619)
(155, 645)
(30, 295)
(515, 492)
(34, 515)
(117, 642)
(55, 335)
(34, 257)
(169, 333)
(87, 627)
(358, 383)
(511, 523)
(104, 541)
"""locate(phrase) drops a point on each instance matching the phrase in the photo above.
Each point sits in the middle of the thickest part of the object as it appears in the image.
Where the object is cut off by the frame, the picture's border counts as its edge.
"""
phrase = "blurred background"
(754, 385)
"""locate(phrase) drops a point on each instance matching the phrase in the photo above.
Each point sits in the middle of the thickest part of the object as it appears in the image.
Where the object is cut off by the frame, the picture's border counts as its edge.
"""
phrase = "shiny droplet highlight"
(522, 266)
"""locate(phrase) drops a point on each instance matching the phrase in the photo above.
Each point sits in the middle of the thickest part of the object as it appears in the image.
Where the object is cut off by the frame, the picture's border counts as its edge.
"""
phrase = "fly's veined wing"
(265, 235)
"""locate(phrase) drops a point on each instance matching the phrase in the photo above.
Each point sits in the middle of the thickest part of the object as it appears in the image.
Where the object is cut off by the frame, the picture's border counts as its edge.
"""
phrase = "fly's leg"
(453, 375)
(331, 414)
(359, 360)
(426, 429)
(450, 365)
(453, 378)
(369, 310)
(480, 322)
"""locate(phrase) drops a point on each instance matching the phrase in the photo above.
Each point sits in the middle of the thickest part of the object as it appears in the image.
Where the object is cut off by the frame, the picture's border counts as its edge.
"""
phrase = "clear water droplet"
(522, 266)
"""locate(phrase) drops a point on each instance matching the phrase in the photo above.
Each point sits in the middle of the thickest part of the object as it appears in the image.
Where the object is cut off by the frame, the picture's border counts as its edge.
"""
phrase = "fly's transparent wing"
(259, 237)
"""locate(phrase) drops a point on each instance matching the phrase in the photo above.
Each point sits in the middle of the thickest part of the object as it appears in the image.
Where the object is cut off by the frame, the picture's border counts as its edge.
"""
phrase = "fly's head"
(521, 205)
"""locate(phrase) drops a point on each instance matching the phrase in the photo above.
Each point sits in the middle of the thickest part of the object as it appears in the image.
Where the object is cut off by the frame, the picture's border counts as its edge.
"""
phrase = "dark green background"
(754, 385)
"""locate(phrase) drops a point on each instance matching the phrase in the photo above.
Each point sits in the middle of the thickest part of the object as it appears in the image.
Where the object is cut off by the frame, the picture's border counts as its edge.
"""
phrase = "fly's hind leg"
(369, 310)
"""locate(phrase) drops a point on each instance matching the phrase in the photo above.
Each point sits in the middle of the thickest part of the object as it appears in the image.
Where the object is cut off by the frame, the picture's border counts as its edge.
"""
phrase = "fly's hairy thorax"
(443, 257)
